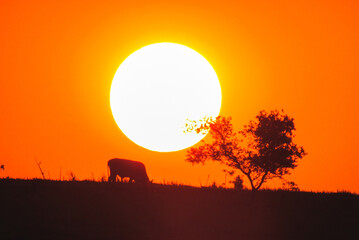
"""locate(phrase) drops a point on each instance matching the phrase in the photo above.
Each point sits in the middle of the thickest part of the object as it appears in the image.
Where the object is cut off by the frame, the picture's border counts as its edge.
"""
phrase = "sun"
(157, 89)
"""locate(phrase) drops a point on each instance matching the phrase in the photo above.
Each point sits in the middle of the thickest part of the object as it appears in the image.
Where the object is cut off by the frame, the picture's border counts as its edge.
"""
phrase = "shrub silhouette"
(263, 150)
(289, 185)
(238, 183)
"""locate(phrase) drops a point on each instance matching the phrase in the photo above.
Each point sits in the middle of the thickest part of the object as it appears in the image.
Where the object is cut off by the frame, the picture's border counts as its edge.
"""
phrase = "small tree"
(269, 150)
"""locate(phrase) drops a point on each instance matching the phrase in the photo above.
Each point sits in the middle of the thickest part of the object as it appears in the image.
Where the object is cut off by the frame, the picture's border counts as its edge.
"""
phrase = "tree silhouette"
(263, 150)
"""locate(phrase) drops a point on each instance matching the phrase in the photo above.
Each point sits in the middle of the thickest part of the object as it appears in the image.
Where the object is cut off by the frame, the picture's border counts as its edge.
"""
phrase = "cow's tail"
(108, 175)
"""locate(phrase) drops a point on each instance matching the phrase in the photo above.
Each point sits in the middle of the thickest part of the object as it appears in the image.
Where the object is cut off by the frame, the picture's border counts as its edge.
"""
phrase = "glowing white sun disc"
(157, 88)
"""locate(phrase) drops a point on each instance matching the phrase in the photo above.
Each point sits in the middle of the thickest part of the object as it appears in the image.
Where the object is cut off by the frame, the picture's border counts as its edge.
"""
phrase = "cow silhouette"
(134, 170)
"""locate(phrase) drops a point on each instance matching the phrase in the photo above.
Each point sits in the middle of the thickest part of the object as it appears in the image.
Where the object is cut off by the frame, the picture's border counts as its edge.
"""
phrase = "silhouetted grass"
(44, 209)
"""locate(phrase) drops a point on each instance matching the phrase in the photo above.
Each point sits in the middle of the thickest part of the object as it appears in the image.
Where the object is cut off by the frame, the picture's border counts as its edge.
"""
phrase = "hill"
(40, 209)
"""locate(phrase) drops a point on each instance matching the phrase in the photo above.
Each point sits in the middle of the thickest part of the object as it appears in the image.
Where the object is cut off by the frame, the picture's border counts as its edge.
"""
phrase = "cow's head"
(144, 180)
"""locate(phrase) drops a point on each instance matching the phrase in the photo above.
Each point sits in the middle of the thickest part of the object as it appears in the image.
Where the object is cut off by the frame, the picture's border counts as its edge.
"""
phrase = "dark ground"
(38, 209)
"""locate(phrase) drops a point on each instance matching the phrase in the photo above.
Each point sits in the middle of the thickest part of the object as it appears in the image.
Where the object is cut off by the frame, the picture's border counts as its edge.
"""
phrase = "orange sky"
(58, 58)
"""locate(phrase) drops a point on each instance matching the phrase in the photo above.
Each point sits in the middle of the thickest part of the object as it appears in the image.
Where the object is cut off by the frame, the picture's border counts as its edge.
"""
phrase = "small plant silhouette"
(238, 183)
(42, 173)
(72, 176)
(2, 167)
(103, 178)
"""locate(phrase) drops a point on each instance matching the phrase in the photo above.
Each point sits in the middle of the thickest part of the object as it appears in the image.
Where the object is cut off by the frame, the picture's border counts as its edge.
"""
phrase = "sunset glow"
(157, 89)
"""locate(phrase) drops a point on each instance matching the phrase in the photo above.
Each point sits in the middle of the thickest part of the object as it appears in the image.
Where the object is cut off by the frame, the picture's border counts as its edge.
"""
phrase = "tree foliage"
(263, 150)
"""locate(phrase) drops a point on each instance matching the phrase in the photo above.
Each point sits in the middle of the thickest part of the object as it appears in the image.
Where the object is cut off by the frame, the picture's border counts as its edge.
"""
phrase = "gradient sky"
(58, 58)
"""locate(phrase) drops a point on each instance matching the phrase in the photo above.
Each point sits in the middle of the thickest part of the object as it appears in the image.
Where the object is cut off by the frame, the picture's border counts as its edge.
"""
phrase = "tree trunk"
(256, 188)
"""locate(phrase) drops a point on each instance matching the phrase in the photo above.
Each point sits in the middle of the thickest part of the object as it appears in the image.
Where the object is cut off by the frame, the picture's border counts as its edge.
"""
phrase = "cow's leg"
(112, 178)
(131, 180)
